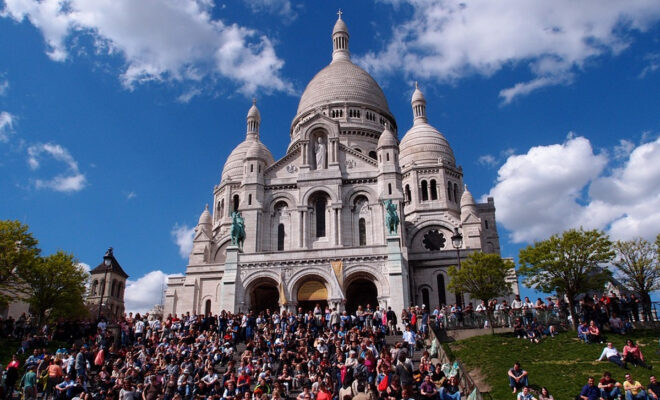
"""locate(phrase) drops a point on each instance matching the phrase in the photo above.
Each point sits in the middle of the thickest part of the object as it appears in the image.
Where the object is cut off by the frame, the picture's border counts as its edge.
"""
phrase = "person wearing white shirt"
(409, 338)
(611, 354)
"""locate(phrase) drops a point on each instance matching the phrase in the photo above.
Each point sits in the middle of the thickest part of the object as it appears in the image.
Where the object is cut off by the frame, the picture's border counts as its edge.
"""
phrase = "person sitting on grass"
(583, 332)
(519, 329)
(545, 394)
(632, 354)
(532, 335)
(633, 389)
(590, 391)
(653, 388)
(594, 333)
(526, 394)
(518, 377)
(609, 388)
(611, 354)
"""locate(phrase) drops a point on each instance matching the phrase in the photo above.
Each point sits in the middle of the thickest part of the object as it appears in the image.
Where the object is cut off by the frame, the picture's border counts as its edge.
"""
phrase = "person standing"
(29, 383)
(410, 338)
(391, 321)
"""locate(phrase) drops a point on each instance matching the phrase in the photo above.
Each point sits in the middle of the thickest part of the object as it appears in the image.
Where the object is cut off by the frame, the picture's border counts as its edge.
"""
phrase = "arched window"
(95, 287)
(207, 308)
(251, 167)
(434, 190)
(387, 156)
(425, 191)
(389, 188)
(362, 228)
(448, 191)
(486, 223)
(373, 155)
(221, 209)
(280, 237)
(236, 202)
(249, 199)
(442, 299)
(408, 194)
(319, 207)
(425, 297)
(456, 192)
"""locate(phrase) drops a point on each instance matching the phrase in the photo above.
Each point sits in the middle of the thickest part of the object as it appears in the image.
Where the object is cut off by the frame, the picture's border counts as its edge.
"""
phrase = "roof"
(114, 266)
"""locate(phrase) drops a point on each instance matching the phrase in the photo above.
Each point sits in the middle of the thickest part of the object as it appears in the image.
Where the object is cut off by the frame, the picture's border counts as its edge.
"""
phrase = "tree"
(484, 276)
(568, 264)
(18, 253)
(639, 268)
(56, 287)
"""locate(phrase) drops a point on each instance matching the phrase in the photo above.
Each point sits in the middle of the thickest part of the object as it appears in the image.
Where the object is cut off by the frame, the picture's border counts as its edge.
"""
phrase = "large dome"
(343, 82)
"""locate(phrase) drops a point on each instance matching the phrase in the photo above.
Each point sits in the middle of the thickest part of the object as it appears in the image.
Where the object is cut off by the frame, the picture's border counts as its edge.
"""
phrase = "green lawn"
(562, 363)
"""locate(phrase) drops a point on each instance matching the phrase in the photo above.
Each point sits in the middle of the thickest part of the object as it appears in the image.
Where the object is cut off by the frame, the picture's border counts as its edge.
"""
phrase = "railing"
(465, 381)
(560, 317)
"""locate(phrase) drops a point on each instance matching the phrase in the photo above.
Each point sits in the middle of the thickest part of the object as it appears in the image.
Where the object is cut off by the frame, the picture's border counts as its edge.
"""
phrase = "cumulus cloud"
(84, 266)
(183, 237)
(142, 294)
(282, 8)
(159, 40)
(71, 180)
(6, 126)
(448, 40)
(556, 187)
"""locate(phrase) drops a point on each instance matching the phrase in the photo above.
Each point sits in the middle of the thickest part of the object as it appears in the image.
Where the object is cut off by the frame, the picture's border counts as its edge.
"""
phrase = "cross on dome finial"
(254, 101)
(416, 86)
(339, 13)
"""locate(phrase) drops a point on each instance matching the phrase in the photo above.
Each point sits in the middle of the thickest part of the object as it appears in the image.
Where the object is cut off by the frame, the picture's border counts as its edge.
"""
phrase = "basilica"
(313, 223)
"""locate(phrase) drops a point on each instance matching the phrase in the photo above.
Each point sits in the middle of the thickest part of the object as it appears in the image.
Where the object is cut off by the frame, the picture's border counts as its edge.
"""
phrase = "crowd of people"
(319, 354)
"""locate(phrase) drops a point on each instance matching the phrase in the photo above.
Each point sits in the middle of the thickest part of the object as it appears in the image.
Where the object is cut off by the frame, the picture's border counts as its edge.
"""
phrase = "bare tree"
(638, 269)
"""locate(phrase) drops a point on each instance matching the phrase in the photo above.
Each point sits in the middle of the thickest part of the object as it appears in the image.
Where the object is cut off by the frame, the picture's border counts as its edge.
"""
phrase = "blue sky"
(116, 116)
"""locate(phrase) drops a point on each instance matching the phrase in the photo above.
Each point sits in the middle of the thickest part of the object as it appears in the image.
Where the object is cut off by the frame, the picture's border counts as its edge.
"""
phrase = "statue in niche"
(319, 152)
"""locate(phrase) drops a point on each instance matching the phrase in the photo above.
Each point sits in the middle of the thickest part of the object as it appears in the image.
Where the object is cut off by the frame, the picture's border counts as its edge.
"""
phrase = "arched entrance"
(361, 292)
(264, 295)
(312, 293)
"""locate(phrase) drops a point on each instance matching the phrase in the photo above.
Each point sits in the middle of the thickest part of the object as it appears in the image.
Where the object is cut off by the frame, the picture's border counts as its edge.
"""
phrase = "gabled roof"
(114, 266)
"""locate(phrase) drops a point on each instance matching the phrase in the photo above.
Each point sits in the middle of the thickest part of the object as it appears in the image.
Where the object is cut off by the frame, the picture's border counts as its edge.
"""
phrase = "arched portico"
(263, 293)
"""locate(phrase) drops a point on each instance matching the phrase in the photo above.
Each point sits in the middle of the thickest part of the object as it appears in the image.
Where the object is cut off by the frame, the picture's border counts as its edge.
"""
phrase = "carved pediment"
(351, 159)
(470, 219)
(286, 166)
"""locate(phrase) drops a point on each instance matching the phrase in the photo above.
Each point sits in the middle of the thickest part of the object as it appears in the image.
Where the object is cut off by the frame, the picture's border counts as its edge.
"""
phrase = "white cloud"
(142, 294)
(487, 160)
(4, 86)
(72, 180)
(623, 149)
(282, 8)
(84, 266)
(183, 237)
(159, 40)
(556, 187)
(131, 195)
(653, 64)
(448, 40)
(6, 126)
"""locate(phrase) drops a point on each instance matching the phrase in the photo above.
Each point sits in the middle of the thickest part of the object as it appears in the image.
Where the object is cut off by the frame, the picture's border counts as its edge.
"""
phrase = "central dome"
(343, 82)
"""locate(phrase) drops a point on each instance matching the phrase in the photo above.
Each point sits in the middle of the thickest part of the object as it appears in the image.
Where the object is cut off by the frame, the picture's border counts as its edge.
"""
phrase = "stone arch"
(364, 190)
(279, 224)
(318, 189)
(361, 271)
(441, 293)
(417, 235)
(262, 291)
(321, 273)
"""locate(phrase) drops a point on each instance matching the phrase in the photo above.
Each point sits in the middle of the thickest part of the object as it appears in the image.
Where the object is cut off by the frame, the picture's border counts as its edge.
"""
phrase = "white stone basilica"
(315, 220)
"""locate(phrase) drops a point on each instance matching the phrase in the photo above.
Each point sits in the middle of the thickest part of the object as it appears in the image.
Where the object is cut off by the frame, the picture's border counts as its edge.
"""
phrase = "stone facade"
(315, 220)
(107, 286)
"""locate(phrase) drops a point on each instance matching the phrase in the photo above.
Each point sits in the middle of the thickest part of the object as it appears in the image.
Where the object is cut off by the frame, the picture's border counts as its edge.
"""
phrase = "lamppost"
(107, 261)
(457, 242)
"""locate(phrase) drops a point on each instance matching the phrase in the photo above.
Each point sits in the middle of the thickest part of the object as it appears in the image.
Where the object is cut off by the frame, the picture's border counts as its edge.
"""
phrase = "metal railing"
(465, 382)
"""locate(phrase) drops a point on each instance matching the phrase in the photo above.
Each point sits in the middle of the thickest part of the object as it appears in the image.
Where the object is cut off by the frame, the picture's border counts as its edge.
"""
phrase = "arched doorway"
(264, 295)
(361, 292)
(312, 293)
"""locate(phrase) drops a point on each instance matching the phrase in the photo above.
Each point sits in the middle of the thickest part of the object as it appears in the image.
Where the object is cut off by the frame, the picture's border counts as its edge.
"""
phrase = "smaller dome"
(205, 218)
(466, 199)
(417, 95)
(387, 138)
(253, 112)
(233, 169)
(425, 145)
(340, 26)
(259, 151)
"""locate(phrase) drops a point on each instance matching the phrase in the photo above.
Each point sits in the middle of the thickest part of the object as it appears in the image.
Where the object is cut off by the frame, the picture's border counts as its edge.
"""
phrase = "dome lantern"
(253, 119)
(340, 40)
(418, 105)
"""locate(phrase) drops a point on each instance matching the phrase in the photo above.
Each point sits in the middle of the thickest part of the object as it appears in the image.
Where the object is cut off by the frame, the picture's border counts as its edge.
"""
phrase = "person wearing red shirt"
(324, 393)
(632, 354)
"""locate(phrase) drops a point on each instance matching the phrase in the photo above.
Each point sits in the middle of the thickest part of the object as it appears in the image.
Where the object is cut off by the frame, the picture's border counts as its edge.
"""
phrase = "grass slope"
(562, 363)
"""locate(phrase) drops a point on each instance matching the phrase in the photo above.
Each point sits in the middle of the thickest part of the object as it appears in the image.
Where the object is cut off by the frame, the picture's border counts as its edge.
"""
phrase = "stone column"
(398, 277)
(230, 280)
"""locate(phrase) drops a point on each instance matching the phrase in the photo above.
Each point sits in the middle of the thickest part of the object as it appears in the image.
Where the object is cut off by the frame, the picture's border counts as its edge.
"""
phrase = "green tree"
(18, 253)
(568, 264)
(484, 276)
(56, 287)
(639, 268)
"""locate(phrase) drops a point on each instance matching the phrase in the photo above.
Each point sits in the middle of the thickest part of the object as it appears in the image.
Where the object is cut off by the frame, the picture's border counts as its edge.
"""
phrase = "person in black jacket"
(391, 321)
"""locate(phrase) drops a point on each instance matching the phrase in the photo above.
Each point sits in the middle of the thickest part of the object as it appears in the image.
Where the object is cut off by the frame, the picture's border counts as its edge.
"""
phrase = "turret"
(389, 176)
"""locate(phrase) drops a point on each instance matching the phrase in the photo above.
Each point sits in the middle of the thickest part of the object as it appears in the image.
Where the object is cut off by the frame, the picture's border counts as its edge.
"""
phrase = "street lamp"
(457, 242)
(107, 261)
